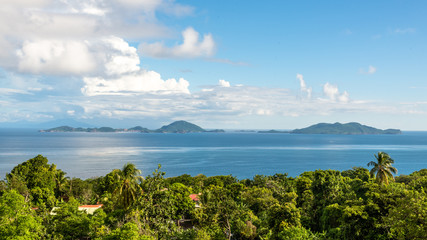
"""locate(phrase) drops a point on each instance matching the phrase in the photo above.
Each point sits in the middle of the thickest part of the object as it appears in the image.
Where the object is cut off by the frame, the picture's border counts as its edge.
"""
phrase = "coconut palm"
(60, 181)
(128, 179)
(382, 169)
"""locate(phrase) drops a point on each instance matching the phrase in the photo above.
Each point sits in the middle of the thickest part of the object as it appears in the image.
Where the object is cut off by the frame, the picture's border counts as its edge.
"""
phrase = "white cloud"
(223, 83)
(134, 83)
(332, 92)
(47, 33)
(123, 76)
(190, 48)
(304, 86)
(219, 103)
(150, 6)
(121, 58)
(5, 91)
(55, 57)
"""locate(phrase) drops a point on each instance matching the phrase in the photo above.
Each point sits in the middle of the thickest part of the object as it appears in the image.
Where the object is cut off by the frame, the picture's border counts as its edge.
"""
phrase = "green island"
(39, 201)
(352, 128)
(175, 127)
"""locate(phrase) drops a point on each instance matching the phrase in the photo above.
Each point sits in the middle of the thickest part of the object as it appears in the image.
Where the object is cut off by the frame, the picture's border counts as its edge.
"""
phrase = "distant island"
(175, 127)
(273, 131)
(352, 128)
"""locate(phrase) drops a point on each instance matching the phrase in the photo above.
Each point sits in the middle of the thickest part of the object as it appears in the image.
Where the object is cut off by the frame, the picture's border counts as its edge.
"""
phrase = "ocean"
(243, 155)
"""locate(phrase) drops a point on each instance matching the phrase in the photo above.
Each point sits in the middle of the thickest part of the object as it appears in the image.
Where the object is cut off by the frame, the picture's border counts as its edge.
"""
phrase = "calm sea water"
(243, 155)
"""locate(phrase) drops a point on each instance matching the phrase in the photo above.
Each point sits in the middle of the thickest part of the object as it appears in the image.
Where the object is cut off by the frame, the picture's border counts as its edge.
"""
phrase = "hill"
(139, 129)
(352, 128)
(180, 127)
(175, 127)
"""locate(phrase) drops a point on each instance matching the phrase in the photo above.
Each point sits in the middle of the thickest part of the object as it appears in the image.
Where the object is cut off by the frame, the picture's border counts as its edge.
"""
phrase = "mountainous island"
(352, 128)
(175, 127)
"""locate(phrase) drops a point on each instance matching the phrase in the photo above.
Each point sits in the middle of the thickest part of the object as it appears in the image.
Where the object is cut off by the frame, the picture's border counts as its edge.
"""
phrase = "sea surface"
(243, 155)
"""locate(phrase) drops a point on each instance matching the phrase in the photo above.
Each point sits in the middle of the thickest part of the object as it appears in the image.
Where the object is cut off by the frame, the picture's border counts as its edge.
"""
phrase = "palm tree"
(60, 181)
(128, 179)
(382, 168)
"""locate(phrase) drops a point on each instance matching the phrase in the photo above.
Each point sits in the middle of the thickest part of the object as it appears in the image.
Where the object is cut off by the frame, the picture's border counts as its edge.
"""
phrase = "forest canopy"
(39, 201)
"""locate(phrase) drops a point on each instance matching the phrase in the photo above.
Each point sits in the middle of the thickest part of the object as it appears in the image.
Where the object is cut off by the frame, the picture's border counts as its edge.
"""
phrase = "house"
(196, 199)
(89, 209)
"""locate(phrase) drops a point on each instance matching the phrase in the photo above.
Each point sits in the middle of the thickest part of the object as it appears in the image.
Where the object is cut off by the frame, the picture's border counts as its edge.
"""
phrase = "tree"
(69, 222)
(382, 168)
(128, 187)
(60, 181)
(17, 220)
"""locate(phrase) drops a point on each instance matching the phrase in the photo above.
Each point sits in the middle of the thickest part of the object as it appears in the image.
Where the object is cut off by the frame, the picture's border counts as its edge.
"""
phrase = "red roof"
(91, 206)
(194, 197)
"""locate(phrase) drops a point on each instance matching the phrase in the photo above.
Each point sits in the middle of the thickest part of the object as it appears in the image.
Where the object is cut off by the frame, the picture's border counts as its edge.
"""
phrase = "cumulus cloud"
(55, 57)
(119, 57)
(332, 92)
(123, 75)
(223, 83)
(303, 85)
(142, 81)
(191, 47)
(44, 36)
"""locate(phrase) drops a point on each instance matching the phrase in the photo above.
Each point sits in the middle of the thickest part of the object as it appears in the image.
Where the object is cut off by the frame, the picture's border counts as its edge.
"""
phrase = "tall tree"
(17, 220)
(128, 188)
(382, 169)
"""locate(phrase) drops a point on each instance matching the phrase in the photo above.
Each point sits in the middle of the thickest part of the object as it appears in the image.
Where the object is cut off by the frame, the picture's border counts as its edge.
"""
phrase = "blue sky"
(226, 64)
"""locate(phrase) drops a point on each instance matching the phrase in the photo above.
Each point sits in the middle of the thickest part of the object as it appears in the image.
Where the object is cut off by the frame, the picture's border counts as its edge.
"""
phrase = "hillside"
(180, 127)
(352, 128)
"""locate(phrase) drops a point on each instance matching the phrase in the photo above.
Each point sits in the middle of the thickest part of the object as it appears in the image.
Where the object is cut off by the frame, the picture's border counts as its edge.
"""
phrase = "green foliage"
(37, 180)
(298, 233)
(127, 188)
(323, 204)
(17, 220)
(357, 172)
(408, 219)
(68, 222)
(382, 169)
(128, 231)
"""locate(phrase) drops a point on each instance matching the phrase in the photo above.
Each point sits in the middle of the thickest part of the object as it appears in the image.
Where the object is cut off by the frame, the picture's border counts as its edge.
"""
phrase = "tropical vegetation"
(39, 201)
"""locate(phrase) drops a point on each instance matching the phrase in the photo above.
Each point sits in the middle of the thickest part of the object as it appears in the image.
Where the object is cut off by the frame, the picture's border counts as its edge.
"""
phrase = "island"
(273, 131)
(175, 127)
(352, 128)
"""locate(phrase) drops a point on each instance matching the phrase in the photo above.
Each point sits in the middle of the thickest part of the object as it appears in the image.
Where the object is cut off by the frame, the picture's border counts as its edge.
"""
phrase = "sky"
(218, 64)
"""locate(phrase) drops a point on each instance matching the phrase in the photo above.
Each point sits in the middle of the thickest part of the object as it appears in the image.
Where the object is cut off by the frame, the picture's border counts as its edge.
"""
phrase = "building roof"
(91, 206)
(89, 209)
(195, 197)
